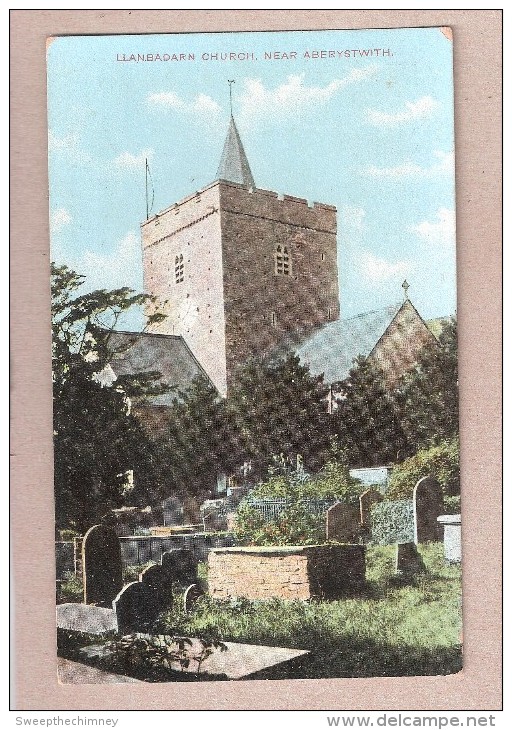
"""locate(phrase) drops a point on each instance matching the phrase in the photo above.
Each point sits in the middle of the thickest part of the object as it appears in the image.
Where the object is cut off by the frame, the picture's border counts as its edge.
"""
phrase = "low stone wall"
(291, 572)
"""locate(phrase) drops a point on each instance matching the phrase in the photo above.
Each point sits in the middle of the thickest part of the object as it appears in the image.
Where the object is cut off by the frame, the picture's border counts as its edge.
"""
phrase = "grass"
(393, 628)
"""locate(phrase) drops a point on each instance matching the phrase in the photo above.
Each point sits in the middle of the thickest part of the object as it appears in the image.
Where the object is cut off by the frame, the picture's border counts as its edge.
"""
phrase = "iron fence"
(270, 509)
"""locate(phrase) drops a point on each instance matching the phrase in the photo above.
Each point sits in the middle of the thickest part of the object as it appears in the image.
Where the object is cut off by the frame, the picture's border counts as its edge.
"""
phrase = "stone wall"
(319, 571)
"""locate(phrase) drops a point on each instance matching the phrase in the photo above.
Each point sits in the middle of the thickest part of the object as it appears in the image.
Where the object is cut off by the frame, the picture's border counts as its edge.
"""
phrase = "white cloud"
(443, 166)
(352, 216)
(377, 270)
(69, 145)
(438, 232)
(59, 218)
(127, 161)
(120, 267)
(420, 109)
(202, 106)
(291, 97)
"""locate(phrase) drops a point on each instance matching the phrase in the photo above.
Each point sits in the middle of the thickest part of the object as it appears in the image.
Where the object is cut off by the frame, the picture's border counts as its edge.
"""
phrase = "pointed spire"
(234, 166)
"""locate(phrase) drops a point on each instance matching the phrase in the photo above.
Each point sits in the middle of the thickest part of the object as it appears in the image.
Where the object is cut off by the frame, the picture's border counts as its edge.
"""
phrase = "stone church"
(243, 272)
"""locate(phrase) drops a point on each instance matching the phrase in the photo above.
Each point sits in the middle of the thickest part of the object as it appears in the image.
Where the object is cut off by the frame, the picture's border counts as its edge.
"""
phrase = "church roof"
(143, 352)
(234, 166)
(332, 349)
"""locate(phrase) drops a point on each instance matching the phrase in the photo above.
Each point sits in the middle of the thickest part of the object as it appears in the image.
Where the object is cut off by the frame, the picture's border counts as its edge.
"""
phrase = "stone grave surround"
(289, 572)
(427, 500)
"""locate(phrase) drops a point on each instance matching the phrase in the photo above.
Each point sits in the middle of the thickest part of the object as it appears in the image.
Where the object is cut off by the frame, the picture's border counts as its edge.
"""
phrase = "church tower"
(242, 271)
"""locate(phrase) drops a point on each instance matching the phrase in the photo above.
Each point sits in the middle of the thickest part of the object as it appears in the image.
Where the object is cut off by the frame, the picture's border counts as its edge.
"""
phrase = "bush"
(392, 522)
(440, 461)
(332, 482)
(296, 525)
(71, 590)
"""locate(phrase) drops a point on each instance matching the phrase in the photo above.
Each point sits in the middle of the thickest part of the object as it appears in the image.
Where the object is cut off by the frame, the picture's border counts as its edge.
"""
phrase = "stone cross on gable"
(405, 287)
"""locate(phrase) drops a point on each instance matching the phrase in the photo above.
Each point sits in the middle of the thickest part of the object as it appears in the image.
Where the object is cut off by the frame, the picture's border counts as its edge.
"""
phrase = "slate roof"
(234, 166)
(332, 349)
(167, 354)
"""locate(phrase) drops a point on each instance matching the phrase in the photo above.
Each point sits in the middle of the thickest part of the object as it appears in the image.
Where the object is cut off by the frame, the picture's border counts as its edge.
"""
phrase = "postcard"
(254, 355)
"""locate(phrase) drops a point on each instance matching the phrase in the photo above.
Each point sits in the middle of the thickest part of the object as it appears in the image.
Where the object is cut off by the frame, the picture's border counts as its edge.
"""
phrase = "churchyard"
(333, 605)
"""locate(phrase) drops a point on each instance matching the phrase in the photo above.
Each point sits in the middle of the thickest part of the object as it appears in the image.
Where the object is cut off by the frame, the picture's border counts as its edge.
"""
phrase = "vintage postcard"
(254, 355)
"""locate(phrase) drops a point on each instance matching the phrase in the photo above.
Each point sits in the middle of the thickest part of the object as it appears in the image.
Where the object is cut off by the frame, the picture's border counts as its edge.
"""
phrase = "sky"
(362, 120)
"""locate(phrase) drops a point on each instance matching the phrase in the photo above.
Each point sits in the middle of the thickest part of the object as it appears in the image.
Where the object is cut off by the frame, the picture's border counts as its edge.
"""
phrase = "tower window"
(178, 269)
(273, 318)
(282, 261)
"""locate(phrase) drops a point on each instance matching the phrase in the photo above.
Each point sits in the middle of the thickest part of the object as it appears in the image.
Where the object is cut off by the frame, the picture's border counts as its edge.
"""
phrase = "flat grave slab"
(237, 661)
(70, 672)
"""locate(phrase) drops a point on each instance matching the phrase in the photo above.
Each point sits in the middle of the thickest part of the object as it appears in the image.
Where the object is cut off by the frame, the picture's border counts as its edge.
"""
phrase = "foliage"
(440, 461)
(96, 438)
(295, 525)
(389, 630)
(71, 590)
(452, 505)
(276, 408)
(392, 522)
(366, 420)
(136, 653)
(427, 398)
(196, 440)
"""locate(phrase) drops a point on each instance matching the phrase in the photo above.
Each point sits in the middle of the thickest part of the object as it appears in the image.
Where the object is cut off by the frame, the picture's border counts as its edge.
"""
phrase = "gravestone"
(408, 560)
(427, 502)
(342, 523)
(159, 581)
(101, 566)
(191, 595)
(367, 499)
(136, 608)
(181, 564)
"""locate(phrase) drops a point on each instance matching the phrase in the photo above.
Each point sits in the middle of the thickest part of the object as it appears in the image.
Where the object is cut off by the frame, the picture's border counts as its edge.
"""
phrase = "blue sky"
(371, 134)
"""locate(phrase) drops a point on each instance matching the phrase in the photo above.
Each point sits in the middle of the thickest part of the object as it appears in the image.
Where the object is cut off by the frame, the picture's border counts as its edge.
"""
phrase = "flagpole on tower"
(231, 95)
(147, 199)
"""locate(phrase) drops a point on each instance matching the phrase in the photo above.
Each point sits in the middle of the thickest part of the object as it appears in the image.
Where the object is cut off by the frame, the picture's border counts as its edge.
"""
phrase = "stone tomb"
(408, 560)
(342, 523)
(452, 537)
(101, 565)
(288, 572)
(427, 502)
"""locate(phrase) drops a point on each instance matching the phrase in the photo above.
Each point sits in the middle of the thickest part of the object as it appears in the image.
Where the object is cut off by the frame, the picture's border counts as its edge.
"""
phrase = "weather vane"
(231, 82)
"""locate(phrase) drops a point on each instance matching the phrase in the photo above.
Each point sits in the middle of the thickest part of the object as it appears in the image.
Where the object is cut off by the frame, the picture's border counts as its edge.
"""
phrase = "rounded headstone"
(101, 565)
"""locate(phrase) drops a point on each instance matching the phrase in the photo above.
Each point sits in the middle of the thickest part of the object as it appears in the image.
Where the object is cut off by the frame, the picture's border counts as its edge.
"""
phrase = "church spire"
(234, 166)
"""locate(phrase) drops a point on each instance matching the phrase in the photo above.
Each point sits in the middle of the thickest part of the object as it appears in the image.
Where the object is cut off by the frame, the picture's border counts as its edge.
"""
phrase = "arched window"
(283, 261)
(178, 269)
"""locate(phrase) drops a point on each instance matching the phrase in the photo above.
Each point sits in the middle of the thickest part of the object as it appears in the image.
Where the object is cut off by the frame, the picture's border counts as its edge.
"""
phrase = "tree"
(427, 397)
(97, 441)
(196, 441)
(365, 420)
(278, 408)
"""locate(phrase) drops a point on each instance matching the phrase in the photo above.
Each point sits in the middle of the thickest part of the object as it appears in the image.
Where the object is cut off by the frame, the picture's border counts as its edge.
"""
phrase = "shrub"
(71, 590)
(332, 482)
(440, 461)
(392, 522)
(295, 525)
